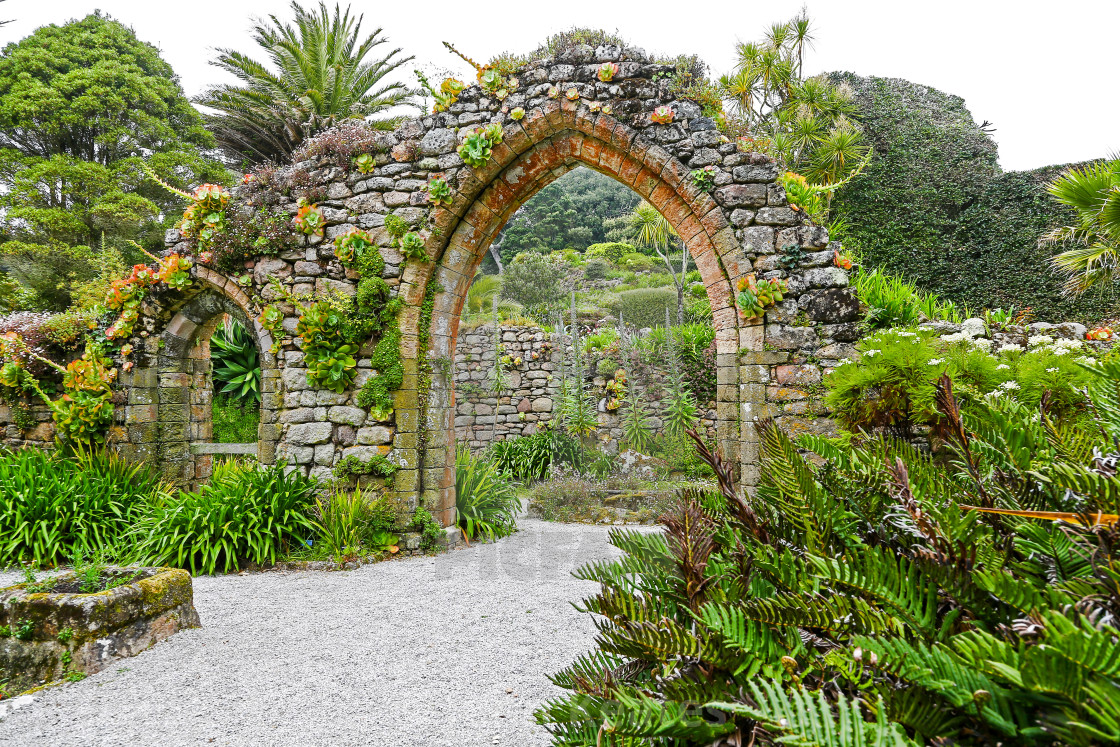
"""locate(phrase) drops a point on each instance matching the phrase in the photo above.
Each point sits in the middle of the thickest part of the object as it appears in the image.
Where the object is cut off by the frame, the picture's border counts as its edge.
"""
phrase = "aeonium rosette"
(662, 115)
(174, 270)
(121, 292)
(309, 220)
(349, 246)
(755, 296)
(211, 197)
(143, 275)
(607, 71)
(90, 373)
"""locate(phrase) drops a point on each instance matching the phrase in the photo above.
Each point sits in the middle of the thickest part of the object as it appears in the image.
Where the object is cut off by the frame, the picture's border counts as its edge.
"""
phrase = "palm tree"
(319, 75)
(1094, 194)
(652, 231)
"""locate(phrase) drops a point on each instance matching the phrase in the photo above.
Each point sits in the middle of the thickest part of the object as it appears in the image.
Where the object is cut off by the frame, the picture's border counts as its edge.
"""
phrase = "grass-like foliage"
(485, 497)
(245, 514)
(350, 523)
(870, 594)
(893, 302)
(52, 505)
(528, 458)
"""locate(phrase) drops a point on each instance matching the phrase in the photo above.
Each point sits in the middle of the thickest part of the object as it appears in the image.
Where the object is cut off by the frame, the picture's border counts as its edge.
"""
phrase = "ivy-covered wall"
(934, 206)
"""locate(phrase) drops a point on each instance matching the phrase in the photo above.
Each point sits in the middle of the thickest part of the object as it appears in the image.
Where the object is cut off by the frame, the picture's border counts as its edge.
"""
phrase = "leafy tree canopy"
(577, 210)
(81, 105)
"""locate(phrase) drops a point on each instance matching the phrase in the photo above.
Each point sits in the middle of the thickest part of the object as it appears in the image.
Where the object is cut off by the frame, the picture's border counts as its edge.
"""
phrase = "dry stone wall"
(529, 400)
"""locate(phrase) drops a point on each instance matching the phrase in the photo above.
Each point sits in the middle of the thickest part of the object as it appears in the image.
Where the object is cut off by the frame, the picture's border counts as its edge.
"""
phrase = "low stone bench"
(47, 635)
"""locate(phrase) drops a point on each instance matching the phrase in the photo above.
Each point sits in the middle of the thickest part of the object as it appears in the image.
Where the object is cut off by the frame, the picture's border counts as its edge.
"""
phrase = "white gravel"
(417, 651)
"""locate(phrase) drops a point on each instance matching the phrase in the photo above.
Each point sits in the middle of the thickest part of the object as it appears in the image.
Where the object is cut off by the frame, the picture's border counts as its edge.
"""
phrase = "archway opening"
(491, 201)
(200, 417)
(586, 260)
(235, 377)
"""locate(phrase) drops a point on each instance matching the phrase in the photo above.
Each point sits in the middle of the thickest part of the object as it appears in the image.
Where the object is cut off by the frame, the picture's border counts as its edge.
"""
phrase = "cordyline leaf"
(1086, 519)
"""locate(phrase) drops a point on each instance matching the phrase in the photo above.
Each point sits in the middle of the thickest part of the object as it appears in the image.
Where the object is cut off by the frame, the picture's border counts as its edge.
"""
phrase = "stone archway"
(559, 116)
(167, 415)
(556, 139)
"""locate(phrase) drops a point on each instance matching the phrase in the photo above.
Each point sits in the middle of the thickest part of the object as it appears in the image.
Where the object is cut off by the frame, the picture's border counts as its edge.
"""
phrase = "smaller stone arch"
(170, 389)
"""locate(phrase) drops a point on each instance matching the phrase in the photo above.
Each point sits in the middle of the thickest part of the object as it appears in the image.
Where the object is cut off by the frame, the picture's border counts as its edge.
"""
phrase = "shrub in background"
(51, 505)
(934, 207)
(645, 307)
(635, 262)
(895, 382)
(529, 458)
(611, 252)
(536, 282)
(486, 501)
(596, 269)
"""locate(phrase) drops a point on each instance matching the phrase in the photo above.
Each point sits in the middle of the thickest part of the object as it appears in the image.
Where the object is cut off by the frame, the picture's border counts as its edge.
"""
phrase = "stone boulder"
(834, 305)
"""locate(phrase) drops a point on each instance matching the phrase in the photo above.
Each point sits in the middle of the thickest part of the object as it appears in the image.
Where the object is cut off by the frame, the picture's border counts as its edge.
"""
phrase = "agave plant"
(236, 360)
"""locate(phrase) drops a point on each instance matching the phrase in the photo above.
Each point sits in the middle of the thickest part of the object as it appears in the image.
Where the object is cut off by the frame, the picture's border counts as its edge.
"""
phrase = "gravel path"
(419, 651)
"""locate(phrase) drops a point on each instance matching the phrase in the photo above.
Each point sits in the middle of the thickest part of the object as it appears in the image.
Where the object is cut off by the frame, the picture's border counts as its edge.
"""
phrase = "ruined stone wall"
(34, 428)
(532, 392)
(557, 116)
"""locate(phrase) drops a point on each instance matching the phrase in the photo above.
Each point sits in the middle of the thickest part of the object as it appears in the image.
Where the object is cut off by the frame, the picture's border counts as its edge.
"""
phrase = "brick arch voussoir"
(597, 142)
(188, 321)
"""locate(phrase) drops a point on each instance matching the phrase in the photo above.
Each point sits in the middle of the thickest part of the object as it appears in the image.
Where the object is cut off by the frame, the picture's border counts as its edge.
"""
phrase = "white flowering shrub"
(893, 382)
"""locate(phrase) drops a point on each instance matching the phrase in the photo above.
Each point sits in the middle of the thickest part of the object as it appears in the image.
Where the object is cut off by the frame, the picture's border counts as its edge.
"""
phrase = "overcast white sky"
(1042, 72)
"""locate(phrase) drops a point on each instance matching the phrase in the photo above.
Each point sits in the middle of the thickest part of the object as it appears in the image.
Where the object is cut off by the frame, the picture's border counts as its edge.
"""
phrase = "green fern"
(808, 720)
(853, 600)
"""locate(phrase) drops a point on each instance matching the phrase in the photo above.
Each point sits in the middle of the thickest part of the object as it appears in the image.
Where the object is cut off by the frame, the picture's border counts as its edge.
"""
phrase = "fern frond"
(837, 615)
(593, 666)
(939, 670)
(889, 580)
(761, 648)
(806, 719)
(1094, 650)
(641, 716)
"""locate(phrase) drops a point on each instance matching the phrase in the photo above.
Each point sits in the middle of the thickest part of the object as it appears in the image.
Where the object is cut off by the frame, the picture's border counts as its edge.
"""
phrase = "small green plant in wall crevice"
(439, 192)
(478, 146)
(377, 465)
(703, 178)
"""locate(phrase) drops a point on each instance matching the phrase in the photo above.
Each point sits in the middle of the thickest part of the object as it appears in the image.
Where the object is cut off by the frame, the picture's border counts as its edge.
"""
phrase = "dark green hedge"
(934, 206)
